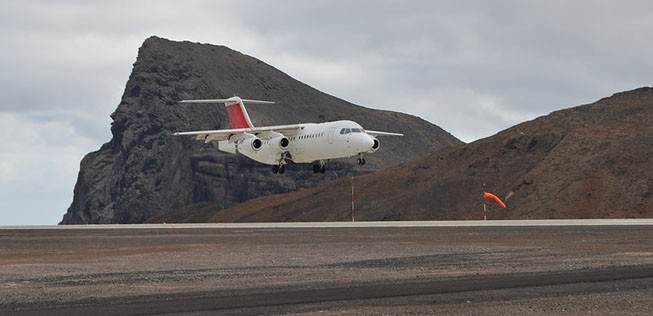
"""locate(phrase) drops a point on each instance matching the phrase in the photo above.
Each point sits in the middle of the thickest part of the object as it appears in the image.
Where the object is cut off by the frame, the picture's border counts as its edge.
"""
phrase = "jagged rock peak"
(143, 171)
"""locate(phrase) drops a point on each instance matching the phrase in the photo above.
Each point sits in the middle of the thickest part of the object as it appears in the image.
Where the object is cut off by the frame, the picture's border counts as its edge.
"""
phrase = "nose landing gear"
(361, 160)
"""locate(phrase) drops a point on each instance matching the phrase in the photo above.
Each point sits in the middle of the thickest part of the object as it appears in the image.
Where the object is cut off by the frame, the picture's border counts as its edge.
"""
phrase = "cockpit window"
(351, 130)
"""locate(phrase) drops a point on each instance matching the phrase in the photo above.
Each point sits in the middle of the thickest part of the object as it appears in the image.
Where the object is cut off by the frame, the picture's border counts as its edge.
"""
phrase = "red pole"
(484, 204)
(353, 213)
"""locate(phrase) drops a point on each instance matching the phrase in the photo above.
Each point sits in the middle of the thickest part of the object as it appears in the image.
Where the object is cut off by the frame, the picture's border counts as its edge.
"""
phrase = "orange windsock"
(495, 198)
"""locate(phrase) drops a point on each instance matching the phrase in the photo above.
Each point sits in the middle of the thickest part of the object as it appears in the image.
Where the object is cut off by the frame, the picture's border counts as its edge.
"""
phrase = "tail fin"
(238, 117)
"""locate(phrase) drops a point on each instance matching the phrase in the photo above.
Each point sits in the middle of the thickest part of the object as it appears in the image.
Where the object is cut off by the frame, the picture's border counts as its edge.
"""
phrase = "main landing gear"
(278, 169)
(319, 168)
(361, 160)
(281, 166)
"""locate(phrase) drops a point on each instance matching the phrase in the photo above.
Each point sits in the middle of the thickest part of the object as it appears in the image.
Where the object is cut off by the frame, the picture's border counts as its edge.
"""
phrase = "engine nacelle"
(375, 146)
(268, 151)
(281, 142)
(257, 143)
(252, 143)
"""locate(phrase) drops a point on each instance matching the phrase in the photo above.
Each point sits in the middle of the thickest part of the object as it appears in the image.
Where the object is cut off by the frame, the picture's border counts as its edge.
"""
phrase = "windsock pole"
(353, 213)
(484, 204)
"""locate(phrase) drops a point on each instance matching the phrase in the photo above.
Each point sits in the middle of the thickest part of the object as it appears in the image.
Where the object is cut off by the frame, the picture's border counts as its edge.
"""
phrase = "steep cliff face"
(590, 161)
(143, 171)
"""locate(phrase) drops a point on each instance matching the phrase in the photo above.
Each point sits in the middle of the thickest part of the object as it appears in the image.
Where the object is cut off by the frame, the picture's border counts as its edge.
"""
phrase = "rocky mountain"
(590, 161)
(144, 172)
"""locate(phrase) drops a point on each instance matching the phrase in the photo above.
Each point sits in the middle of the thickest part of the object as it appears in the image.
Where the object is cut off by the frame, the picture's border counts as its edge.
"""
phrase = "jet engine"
(266, 150)
(254, 143)
(375, 146)
(281, 142)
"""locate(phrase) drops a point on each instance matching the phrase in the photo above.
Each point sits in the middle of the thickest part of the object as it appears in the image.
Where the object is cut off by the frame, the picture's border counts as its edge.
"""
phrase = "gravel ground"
(44, 269)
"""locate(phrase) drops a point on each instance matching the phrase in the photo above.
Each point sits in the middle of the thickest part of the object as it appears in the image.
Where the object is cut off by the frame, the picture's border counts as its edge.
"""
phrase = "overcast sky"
(472, 67)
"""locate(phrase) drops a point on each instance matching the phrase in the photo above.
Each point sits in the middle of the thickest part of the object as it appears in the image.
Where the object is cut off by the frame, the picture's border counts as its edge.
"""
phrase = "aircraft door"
(332, 132)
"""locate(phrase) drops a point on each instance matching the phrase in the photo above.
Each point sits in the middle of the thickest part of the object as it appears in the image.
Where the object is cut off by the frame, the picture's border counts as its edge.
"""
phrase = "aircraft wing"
(377, 133)
(226, 134)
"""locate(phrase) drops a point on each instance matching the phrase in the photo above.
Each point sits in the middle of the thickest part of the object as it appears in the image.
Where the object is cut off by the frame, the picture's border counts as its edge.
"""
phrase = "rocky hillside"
(143, 171)
(590, 161)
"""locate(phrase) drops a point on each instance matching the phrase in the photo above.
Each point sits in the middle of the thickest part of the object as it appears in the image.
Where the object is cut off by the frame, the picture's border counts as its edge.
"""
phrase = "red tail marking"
(236, 116)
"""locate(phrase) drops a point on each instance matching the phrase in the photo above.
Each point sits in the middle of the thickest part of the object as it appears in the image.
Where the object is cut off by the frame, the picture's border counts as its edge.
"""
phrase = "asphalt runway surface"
(388, 224)
(307, 269)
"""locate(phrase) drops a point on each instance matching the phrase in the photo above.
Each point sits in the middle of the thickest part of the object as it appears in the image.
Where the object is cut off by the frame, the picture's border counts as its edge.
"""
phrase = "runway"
(388, 224)
(378, 268)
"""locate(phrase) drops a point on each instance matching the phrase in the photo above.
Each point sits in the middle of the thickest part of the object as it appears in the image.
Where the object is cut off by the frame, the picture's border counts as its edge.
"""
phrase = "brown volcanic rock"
(591, 161)
(143, 171)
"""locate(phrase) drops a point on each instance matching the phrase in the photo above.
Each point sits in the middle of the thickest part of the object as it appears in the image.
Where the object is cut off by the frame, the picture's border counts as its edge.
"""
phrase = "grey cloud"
(532, 57)
(518, 51)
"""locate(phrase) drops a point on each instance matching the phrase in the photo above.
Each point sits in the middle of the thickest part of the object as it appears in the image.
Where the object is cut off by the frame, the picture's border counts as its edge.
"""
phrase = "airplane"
(296, 143)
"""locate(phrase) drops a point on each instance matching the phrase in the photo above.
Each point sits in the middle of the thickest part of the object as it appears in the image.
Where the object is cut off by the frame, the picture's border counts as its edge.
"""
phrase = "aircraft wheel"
(322, 168)
(282, 168)
(316, 168)
(275, 169)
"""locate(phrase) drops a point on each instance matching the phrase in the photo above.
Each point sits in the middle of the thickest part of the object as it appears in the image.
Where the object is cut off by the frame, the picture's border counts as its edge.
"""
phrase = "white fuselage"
(312, 142)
